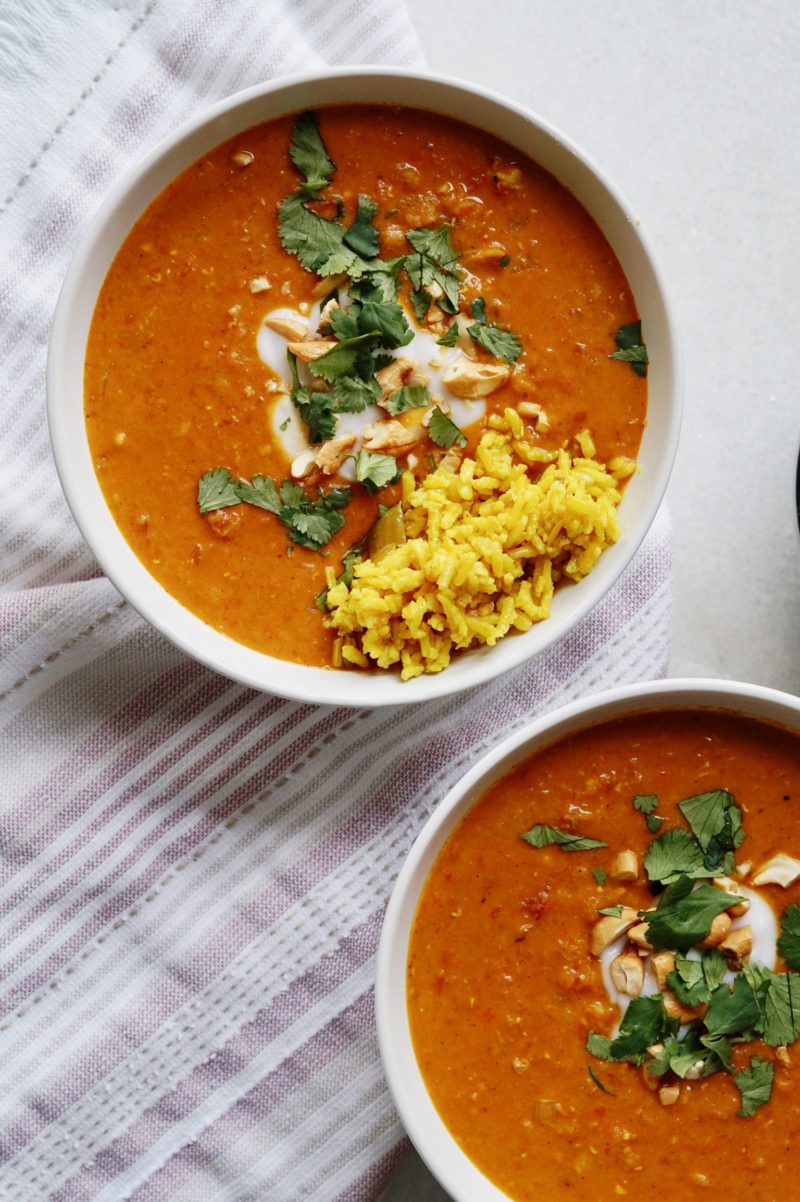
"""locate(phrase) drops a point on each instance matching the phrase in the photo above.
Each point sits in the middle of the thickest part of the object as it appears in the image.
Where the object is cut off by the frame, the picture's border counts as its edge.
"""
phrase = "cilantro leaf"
(362, 237)
(388, 320)
(644, 1023)
(478, 310)
(443, 431)
(317, 243)
(375, 471)
(706, 813)
(216, 490)
(315, 408)
(630, 348)
(350, 559)
(714, 967)
(262, 493)
(612, 911)
(420, 302)
(645, 803)
(675, 853)
(341, 359)
(598, 1082)
(308, 153)
(352, 394)
(755, 1086)
(732, 1009)
(344, 324)
(378, 281)
(450, 336)
(686, 921)
(781, 1023)
(500, 343)
(600, 875)
(436, 262)
(410, 397)
(543, 836)
(789, 942)
(688, 982)
(599, 1046)
(653, 823)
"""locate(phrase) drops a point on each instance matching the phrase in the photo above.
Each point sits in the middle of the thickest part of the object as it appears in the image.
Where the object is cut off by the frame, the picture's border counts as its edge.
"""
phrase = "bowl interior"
(97, 251)
(433, 1141)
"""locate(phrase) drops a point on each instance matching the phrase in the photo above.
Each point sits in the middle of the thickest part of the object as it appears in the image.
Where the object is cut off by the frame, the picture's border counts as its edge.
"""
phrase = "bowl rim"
(451, 1166)
(128, 574)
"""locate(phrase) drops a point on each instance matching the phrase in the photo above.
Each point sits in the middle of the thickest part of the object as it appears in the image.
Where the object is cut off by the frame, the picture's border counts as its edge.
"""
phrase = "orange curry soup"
(174, 385)
(503, 989)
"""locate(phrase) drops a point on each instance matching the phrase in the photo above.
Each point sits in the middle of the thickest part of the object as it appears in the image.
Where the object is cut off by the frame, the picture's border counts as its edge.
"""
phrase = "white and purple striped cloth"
(194, 874)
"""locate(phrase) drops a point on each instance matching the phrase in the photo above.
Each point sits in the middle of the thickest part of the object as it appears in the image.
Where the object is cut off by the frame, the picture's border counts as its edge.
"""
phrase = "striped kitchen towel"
(194, 874)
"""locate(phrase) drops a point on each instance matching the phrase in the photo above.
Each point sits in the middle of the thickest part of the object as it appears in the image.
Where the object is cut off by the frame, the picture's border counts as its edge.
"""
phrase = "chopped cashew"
(328, 284)
(472, 381)
(627, 973)
(333, 453)
(302, 465)
(662, 964)
(312, 348)
(288, 327)
(669, 1094)
(610, 928)
(650, 1080)
(260, 283)
(719, 930)
(242, 158)
(736, 946)
(507, 177)
(402, 372)
(534, 409)
(389, 436)
(676, 1009)
(694, 1071)
(780, 870)
(625, 866)
(638, 935)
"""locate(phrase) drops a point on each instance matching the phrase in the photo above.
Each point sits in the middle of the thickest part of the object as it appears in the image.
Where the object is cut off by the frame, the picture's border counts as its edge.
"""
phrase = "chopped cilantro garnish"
(500, 343)
(543, 836)
(351, 394)
(630, 348)
(435, 262)
(349, 560)
(600, 875)
(506, 259)
(217, 490)
(315, 408)
(644, 1023)
(311, 521)
(450, 336)
(598, 1082)
(341, 359)
(676, 853)
(653, 823)
(478, 310)
(789, 942)
(375, 471)
(443, 431)
(645, 803)
(420, 302)
(716, 823)
(686, 921)
(410, 397)
(612, 911)
(732, 1009)
(308, 153)
(755, 1086)
(362, 237)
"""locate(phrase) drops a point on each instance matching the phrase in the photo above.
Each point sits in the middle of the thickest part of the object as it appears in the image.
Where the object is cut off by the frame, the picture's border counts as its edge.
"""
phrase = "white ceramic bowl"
(108, 230)
(459, 1176)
